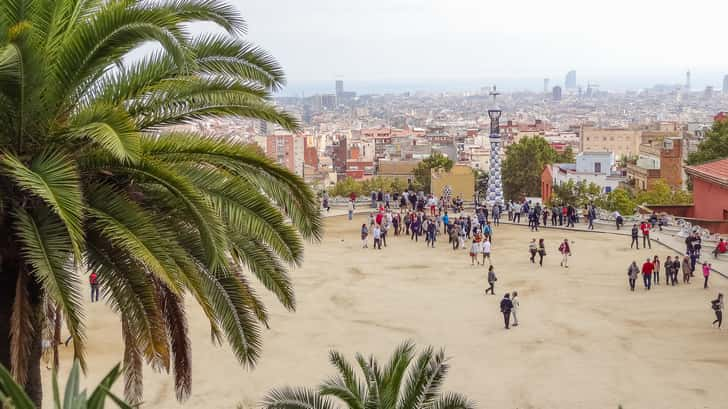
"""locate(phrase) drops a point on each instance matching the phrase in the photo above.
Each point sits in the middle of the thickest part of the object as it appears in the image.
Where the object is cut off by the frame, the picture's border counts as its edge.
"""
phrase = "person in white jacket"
(516, 305)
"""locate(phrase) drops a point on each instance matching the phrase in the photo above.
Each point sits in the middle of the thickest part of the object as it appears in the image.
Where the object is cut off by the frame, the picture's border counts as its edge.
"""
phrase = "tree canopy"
(523, 164)
(423, 171)
(713, 147)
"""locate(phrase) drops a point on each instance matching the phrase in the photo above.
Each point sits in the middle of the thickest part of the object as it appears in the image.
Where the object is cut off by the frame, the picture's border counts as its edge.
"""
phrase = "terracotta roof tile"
(716, 170)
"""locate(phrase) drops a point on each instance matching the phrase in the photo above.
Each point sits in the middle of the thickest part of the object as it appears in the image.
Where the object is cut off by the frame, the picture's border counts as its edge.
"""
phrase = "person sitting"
(720, 248)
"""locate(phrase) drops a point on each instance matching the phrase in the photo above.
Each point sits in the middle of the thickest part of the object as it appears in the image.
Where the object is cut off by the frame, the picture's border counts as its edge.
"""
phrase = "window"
(597, 167)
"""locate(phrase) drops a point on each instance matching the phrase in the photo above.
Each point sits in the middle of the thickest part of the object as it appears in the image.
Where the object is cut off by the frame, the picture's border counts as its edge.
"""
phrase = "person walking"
(491, 281)
(506, 306)
(618, 219)
(541, 251)
(93, 280)
(485, 247)
(350, 209)
(364, 235)
(565, 251)
(656, 273)
(645, 227)
(591, 215)
(533, 249)
(647, 268)
(686, 270)
(377, 234)
(516, 213)
(635, 237)
(706, 274)
(516, 306)
(496, 214)
(632, 272)
(675, 269)
(475, 250)
(717, 306)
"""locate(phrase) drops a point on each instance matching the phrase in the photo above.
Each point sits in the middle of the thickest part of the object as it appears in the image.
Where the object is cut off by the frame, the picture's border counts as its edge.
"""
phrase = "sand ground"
(585, 341)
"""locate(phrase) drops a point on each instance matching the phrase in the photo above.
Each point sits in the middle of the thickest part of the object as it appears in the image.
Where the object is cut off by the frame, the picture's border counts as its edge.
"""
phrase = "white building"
(593, 167)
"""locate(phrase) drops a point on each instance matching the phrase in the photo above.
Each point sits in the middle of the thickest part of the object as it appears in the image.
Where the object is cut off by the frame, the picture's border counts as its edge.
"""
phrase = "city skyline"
(399, 40)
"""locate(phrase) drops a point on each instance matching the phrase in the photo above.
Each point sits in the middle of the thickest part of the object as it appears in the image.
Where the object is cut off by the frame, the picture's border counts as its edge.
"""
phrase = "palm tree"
(96, 175)
(405, 382)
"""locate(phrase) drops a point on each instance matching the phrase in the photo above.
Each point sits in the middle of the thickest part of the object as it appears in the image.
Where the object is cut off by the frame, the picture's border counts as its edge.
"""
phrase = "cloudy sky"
(391, 40)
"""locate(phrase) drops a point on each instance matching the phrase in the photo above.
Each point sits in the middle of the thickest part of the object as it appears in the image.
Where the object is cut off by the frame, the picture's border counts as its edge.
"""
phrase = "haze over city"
(408, 45)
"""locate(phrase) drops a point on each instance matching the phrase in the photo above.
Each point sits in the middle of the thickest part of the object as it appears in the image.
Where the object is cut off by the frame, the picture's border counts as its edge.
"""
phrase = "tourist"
(491, 280)
(415, 227)
(509, 208)
(462, 232)
(632, 273)
(516, 306)
(496, 214)
(656, 272)
(485, 247)
(475, 251)
(618, 219)
(384, 228)
(364, 235)
(93, 280)
(377, 234)
(545, 216)
(706, 274)
(387, 199)
(541, 251)
(592, 215)
(570, 216)
(374, 200)
(533, 249)
(647, 269)
(720, 248)
(717, 306)
(516, 213)
(635, 237)
(454, 232)
(432, 203)
(565, 253)
(506, 306)
(687, 272)
(350, 209)
(325, 200)
(431, 233)
(675, 269)
(446, 222)
(645, 227)
(397, 223)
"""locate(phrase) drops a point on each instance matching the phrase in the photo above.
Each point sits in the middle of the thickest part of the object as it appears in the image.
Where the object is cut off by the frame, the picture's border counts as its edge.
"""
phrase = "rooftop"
(715, 171)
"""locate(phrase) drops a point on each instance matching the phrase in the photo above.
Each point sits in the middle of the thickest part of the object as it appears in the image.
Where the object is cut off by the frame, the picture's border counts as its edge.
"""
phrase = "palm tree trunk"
(9, 271)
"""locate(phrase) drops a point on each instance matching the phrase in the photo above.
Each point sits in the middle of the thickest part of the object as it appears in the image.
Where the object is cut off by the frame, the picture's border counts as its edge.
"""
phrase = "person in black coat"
(506, 306)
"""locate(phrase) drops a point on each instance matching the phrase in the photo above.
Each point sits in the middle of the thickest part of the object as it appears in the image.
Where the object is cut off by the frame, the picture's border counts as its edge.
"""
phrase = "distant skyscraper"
(570, 82)
(725, 84)
(339, 87)
(708, 93)
(545, 85)
(556, 94)
(688, 86)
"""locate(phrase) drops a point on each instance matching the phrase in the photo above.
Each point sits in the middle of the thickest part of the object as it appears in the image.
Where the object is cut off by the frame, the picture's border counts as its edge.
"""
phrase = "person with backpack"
(491, 281)
(632, 273)
(565, 251)
(506, 306)
(635, 237)
(717, 306)
(93, 280)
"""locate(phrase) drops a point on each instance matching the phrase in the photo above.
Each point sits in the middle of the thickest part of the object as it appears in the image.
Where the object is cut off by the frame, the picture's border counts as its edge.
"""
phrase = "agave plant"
(13, 396)
(95, 175)
(405, 382)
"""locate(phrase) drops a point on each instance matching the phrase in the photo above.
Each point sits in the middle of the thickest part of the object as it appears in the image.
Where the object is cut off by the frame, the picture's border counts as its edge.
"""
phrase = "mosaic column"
(495, 186)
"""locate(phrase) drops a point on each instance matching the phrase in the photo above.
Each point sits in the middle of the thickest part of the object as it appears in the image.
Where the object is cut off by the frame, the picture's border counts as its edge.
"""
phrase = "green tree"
(523, 164)
(405, 382)
(13, 395)
(567, 156)
(423, 171)
(93, 177)
(345, 187)
(714, 146)
(660, 193)
(578, 193)
(620, 200)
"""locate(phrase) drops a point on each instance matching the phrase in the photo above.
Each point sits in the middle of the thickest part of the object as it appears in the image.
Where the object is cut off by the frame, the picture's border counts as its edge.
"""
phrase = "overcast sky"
(389, 40)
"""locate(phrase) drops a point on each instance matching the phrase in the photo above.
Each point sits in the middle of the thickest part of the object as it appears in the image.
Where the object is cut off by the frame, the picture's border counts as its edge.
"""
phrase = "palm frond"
(53, 177)
(298, 398)
(174, 314)
(453, 401)
(425, 380)
(45, 247)
(394, 372)
(21, 330)
(110, 128)
(133, 376)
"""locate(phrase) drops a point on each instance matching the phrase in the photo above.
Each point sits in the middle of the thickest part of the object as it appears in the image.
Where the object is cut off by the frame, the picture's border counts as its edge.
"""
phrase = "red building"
(710, 189)
(547, 181)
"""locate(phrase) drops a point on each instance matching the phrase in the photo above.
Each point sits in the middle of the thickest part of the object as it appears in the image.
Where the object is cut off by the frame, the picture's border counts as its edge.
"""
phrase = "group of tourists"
(537, 214)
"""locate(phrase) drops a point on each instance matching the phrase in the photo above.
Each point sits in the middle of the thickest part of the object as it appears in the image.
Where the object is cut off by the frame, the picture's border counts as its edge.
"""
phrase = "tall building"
(339, 87)
(708, 93)
(688, 85)
(725, 84)
(546, 85)
(288, 150)
(556, 94)
(570, 82)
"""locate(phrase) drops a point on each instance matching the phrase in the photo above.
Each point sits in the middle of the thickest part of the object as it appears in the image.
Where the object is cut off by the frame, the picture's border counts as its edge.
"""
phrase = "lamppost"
(495, 186)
